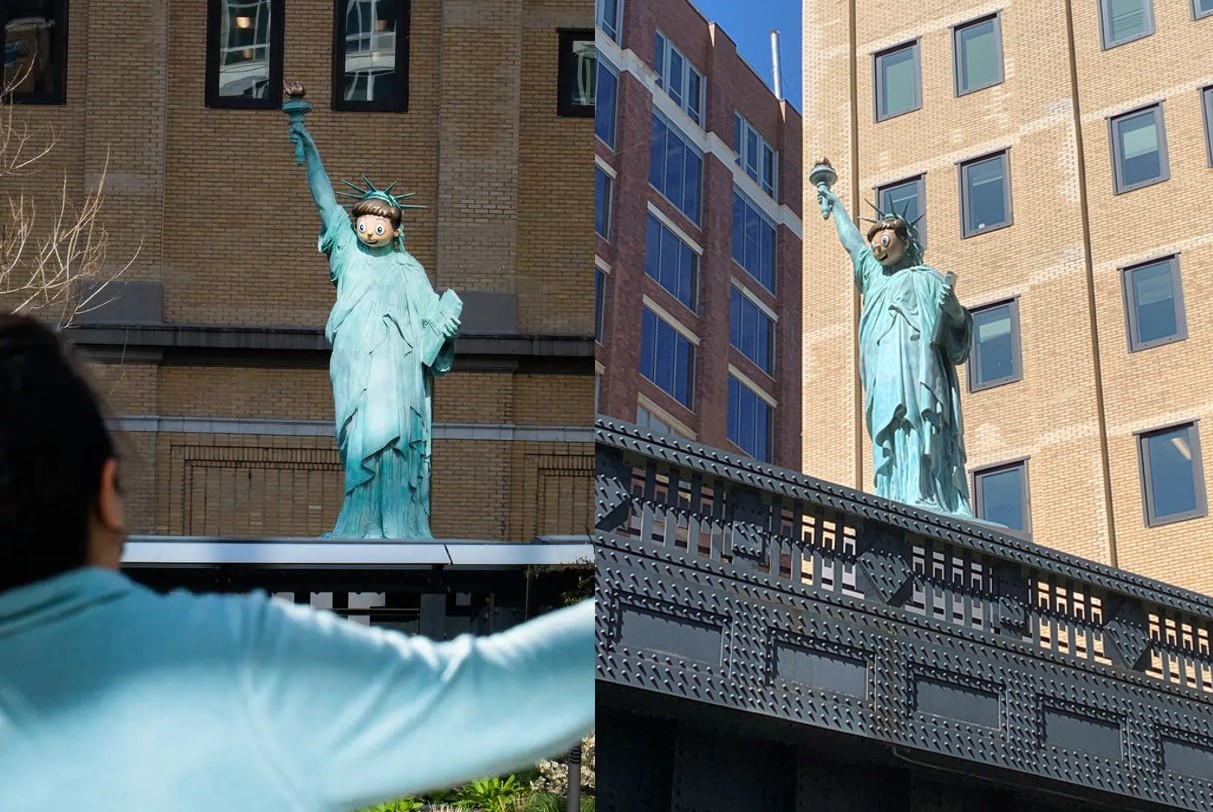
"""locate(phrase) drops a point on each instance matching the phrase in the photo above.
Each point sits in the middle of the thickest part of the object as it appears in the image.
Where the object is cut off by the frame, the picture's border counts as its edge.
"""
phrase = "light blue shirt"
(113, 697)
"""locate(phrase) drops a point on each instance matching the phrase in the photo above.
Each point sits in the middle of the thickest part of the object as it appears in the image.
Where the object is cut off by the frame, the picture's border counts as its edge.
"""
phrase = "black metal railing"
(752, 587)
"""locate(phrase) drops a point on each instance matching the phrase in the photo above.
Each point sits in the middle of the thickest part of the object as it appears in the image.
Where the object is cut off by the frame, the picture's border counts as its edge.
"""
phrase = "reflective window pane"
(1172, 468)
(671, 262)
(897, 82)
(978, 56)
(749, 421)
(604, 103)
(602, 203)
(675, 167)
(986, 201)
(34, 41)
(753, 241)
(1138, 149)
(585, 72)
(995, 358)
(1154, 302)
(1002, 497)
(754, 154)
(1125, 20)
(607, 17)
(678, 77)
(370, 48)
(245, 48)
(750, 330)
(666, 357)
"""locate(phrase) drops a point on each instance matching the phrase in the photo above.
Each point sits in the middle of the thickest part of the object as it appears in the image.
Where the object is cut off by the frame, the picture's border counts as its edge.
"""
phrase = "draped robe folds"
(381, 383)
(911, 395)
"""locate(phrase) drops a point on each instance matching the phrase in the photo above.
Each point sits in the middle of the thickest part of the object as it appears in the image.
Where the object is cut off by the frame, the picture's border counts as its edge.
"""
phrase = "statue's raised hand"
(948, 302)
(828, 200)
(300, 135)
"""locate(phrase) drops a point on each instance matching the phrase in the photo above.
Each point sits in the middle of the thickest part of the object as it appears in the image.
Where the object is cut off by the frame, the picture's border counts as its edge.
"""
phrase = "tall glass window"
(370, 54)
(35, 50)
(1139, 149)
(977, 55)
(606, 16)
(578, 73)
(679, 78)
(1122, 21)
(667, 358)
(671, 262)
(985, 190)
(1002, 496)
(753, 240)
(749, 421)
(898, 81)
(751, 331)
(995, 358)
(1172, 474)
(244, 54)
(1154, 302)
(603, 195)
(605, 95)
(675, 167)
(755, 156)
(599, 302)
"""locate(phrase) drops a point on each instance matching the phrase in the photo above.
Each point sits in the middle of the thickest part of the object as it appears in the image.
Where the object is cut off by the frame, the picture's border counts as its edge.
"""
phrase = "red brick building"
(698, 189)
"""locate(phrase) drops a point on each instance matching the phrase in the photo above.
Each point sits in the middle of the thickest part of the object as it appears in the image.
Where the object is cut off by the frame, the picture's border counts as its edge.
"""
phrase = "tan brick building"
(698, 247)
(1060, 152)
(212, 354)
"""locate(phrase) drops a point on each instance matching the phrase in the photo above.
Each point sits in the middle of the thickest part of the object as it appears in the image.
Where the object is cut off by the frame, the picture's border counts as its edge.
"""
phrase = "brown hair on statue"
(379, 208)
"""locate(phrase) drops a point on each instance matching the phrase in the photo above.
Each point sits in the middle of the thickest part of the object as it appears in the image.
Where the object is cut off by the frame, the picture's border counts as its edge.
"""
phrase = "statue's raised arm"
(305, 150)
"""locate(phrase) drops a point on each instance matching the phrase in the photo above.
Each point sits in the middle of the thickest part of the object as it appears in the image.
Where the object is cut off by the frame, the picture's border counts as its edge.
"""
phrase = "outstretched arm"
(317, 178)
(848, 234)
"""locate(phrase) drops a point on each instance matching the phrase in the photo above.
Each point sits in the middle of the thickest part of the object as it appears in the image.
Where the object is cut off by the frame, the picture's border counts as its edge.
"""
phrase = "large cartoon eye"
(379, 230)
(885, 241)
(362, 228)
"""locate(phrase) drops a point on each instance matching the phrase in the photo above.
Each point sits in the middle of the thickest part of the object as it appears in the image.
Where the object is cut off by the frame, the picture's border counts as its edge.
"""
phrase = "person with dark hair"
(113, 697)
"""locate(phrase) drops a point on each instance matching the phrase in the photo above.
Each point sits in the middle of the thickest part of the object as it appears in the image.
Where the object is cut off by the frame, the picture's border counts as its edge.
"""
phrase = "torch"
(296, 107)
(823, 177)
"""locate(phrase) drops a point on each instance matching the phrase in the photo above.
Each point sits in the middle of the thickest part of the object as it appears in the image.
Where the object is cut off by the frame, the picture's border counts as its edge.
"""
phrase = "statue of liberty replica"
(391, 335)
(913, 332)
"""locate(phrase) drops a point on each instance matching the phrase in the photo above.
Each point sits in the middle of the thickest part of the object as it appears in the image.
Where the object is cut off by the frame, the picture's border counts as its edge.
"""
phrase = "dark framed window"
(599, 301)
(1172, 475)
(753, 241)
(667, 358)
(607, 17)
(604, 188)
(1139, 149)
(977, 54)
(244, 54)
(35, 51)
(751, 331)
(577, 74)
(675, 167)
(909, 199)
(898, 81)
(996, 358)
(1201, 8)
(605, 94)
(755, 156)
(371, 55)
(1154, 304)
(1206, 101)
(985, 194)
(671, 262)
(1122, 21)
(1001, 496)
(749, 421)
(679, 78)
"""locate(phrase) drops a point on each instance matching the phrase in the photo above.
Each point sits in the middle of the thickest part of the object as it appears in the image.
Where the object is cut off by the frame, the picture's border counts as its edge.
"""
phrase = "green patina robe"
(907, 363)
(381, 382)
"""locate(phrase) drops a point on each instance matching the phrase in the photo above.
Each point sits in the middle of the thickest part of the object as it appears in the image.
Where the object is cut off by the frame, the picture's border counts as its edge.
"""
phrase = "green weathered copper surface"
(912, 334)
(391, 335)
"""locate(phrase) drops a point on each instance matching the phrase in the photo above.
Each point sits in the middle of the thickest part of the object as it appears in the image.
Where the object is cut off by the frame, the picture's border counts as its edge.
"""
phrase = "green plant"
(544, 802)
(587, 803)
(492, 794)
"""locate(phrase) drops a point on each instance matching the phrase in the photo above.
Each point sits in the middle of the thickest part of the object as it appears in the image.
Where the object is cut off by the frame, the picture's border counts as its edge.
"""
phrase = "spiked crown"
(914, 248)
(372, 192)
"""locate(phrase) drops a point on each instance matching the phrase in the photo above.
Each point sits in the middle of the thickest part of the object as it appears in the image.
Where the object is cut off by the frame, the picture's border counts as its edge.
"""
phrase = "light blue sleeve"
(352, 715)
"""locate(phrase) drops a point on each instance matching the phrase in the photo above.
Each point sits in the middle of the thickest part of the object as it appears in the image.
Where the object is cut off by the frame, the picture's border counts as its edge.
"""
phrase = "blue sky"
(749, 24)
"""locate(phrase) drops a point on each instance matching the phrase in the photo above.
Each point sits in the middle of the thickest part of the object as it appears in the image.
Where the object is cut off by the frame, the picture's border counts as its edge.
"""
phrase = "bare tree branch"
(53, 258)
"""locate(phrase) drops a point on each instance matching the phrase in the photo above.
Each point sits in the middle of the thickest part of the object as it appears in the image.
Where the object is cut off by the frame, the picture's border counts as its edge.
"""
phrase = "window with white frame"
(671, 262)
(675, 167)
(751, 331)
(753, 240)
(678, 77)
(607, 17)
(750, 421)
(667, 358)
(604, 189)
(755, 156)
(605, 92)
